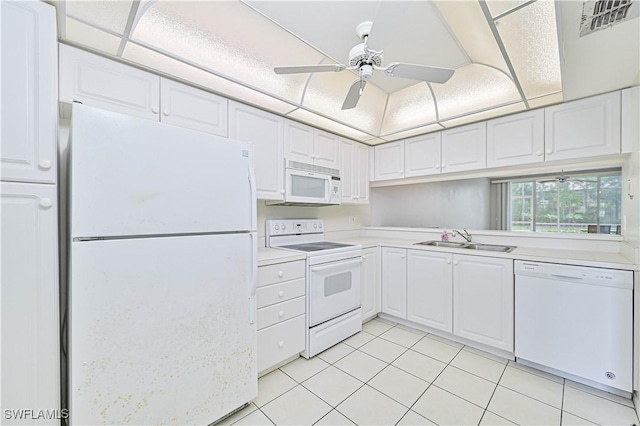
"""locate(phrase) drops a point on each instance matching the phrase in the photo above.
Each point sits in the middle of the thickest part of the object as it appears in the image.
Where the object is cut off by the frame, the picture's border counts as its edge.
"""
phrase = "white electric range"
(333, 280)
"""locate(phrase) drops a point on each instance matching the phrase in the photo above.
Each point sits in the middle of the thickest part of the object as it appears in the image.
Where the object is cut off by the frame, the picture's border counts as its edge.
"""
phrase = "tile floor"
(390, 374)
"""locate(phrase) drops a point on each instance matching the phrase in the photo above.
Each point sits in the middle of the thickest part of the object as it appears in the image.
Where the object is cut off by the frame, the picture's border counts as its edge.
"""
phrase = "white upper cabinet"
(464, 148)
(630, 120)
(312, 146)
(422, 155)
(29, 92)
(186, 106)
(394, 282)
(483, 300)
(516, 139)
(361, 179)
(429, 289)
(265, 130)
(354, 172)
(103, 83)
(389, 161)
(370, 288)
(585, 128)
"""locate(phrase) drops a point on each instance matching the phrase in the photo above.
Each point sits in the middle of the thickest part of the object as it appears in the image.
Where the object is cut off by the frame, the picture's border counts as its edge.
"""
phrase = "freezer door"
(131, 176)
(160, 329)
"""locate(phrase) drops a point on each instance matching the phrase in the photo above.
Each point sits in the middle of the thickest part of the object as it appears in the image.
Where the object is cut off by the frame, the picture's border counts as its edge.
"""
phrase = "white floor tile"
(273, 385)
(521, 409)
(414, 419)
(401, 337)
(296, 407)
(478, 365)
(436, 349)
(571, 420)
(420, 365)
(334, 418)
(383, 349)
(537, 372)
(301, 369)
(600, 393)
(399, 385)
(490, 419)
(466, 385)
(596, 409)
(359, 339)
(360, 365)
(444, 408)
(335, 353)
(332, 385)
(369, 407)
(536, 387)
(257, 418)
(484, 354)
(376, 327)
(238, 416)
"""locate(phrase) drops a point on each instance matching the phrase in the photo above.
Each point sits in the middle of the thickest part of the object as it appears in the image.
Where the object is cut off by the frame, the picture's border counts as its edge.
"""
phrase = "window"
(573, 203)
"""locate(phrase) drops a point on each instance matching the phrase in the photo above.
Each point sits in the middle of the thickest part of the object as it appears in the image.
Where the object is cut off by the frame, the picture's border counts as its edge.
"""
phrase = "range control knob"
(277, 227)
(315, 225)
(320, 225)
(283, 227)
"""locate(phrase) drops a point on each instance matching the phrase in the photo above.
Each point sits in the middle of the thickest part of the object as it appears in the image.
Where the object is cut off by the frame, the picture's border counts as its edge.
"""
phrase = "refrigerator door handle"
(253, 278)
(254, 199)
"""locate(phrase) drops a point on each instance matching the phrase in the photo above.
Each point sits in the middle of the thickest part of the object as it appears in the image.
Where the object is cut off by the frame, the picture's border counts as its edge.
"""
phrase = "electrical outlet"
(352, 220)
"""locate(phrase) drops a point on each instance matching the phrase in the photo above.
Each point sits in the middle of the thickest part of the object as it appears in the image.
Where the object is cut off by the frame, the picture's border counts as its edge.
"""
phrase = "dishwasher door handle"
(566, 277)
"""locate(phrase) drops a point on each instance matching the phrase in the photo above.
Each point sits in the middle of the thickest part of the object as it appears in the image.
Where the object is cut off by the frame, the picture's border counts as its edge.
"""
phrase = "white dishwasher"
(578, 320)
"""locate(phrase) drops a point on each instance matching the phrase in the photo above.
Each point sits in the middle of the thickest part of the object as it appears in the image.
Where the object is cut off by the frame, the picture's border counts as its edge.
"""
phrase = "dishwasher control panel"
(584, 274)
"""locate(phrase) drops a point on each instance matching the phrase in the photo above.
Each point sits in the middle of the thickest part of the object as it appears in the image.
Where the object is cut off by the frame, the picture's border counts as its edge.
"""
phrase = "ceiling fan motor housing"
(361, 55)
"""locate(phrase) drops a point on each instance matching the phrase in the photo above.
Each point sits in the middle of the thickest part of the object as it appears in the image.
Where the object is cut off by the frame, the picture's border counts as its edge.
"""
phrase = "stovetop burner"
(317, 246)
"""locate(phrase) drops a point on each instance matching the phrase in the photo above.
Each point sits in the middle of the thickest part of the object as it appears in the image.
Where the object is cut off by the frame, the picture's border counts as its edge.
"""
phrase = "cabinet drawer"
(280, 292)
(280, 272)
(279, 342)
(280, 312)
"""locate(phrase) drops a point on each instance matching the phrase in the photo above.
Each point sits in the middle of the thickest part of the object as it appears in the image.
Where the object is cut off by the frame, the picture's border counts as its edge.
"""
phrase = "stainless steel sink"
(470, 246)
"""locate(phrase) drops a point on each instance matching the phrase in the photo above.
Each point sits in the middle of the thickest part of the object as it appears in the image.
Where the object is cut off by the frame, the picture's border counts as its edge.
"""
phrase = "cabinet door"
(516, 139)
(483, 300)
(186, 106)
(326, 151)
(630, 122)
(103, 83)
(29, 91)
(298, 142)
(29, 277)
(464, 148)
(370, 288)
(348, 171)
(361, 179)
(394, 281)
(265, 130)
(585, 128)
(389, 161)
(429, 289)
(422, 155)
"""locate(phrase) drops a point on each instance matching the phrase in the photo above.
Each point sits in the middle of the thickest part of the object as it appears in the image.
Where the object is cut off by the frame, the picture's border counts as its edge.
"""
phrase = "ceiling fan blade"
(354, 94)
(309, 68)
(419, 72)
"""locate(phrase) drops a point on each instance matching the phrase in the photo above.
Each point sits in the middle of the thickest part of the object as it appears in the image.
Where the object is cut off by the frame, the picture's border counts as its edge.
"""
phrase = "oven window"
(304, 186)
(335, 284)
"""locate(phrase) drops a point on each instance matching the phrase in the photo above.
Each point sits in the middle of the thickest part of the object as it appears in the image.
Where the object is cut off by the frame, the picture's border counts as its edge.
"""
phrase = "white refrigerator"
(162, 272)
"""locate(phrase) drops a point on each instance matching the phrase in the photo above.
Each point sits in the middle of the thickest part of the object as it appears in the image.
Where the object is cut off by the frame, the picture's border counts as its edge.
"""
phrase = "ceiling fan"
(366, 60)
(563, 179)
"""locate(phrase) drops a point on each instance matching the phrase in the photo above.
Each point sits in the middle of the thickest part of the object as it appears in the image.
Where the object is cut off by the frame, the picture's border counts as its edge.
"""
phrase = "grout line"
(265, 414)
(492, 395)
(564, 384)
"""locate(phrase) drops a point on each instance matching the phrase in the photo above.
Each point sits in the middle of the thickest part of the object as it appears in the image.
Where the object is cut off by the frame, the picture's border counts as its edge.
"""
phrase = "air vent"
(601, 14)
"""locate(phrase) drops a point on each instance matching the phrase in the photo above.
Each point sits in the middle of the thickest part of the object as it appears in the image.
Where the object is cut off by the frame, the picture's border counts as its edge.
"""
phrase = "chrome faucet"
(464, 234)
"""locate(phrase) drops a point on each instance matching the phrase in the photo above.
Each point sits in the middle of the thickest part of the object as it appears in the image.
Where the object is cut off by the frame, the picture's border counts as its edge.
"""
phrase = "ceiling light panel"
(468, 24)
(326, 93)
(328, 125)
(531, 40)
(214, 35)
(474, 88)
(410, 107)
(498, 7)
(164, 64)
(109, 15)
(92, 37)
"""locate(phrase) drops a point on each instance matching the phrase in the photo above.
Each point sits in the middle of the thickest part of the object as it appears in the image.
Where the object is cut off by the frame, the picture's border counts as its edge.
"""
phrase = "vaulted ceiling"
(508, 55)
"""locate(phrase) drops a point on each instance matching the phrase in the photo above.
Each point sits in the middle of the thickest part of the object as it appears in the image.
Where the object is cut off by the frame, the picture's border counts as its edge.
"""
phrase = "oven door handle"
(336, 265)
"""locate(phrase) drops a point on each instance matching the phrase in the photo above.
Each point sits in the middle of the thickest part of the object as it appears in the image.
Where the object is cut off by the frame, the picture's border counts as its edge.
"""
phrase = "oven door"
(334, 289)
(307, 187)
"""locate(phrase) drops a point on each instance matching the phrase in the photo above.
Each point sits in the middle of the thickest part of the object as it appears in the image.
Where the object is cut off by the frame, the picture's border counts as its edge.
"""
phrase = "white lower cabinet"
(429, 289)
(30, 372)
(394, 281)
(370, 285)
(281, 313)
(483, 300)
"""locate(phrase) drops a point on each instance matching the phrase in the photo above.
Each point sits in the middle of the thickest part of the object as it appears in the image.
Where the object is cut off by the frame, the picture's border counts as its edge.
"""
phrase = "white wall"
(454, 204)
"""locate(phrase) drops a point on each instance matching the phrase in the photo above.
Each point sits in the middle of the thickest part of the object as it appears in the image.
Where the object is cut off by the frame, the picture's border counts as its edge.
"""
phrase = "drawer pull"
(281, 314)
(281, 294)
(280, 274)
(281, 344)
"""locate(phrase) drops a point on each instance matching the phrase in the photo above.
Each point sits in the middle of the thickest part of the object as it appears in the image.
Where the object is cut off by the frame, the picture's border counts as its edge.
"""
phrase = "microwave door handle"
(327, 184)
(336, 265)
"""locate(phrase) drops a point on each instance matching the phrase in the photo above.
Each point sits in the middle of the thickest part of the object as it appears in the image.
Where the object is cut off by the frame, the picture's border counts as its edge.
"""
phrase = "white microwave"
(309, 185)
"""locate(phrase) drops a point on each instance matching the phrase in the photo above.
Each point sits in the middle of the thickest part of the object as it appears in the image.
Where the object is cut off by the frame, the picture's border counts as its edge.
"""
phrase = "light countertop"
(270, 256)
